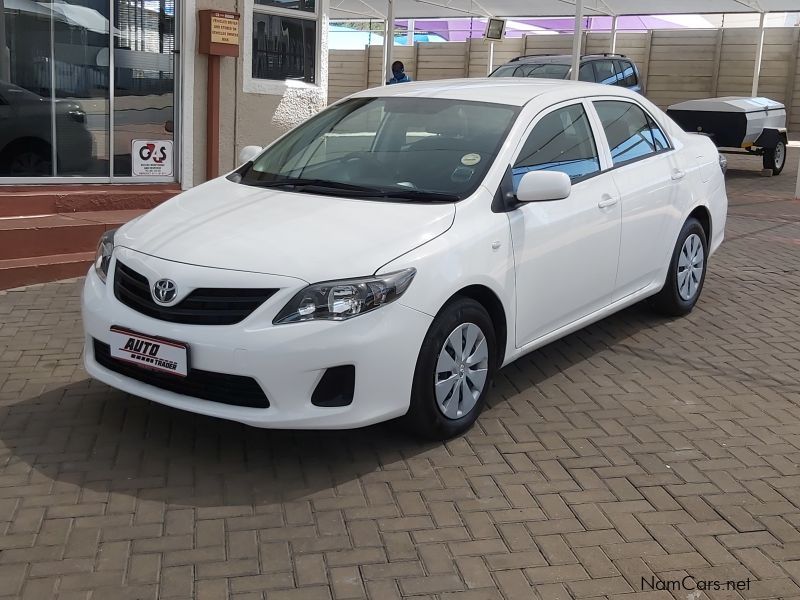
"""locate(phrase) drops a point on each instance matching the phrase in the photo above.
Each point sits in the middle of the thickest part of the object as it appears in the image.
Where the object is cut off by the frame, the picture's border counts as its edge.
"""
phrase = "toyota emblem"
(164, 291)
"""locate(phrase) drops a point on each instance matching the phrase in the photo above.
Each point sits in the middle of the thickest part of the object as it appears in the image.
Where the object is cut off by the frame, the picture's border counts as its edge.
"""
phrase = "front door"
(565, 251)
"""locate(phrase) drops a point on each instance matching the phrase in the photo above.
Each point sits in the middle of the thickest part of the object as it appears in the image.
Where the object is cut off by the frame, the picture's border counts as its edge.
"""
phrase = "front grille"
(203, 306)
(235, 390)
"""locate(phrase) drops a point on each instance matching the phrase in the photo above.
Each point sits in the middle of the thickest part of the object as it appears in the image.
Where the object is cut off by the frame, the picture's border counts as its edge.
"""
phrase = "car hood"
(228, 225)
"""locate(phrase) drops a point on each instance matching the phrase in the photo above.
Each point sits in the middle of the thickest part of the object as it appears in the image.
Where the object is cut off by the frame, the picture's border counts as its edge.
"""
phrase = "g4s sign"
(151, 157)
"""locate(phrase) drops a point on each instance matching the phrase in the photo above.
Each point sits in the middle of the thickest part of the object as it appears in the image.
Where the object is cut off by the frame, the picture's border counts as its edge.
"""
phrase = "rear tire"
(775, 158)
(455, 366)
(687, 272)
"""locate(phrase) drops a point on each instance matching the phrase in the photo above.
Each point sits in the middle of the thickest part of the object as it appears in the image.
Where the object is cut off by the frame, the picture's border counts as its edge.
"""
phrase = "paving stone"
(637, 447)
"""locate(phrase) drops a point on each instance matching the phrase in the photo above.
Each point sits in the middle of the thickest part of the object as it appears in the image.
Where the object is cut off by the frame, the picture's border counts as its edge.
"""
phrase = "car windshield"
(397, 148)
(540, 70)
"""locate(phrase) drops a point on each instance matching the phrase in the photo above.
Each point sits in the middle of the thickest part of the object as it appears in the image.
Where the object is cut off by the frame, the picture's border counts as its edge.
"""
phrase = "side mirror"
(248, 153)
(541, 186)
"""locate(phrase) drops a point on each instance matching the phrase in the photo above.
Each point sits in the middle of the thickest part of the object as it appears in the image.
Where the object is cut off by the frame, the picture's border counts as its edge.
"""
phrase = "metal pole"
(759, 53)
(797, 185)
(613, 34)
(576, 40)
(490, 58)
(388, 42)
(113, 17)
(212, 118)
(53, 132)
(5, 57)
(409, 34)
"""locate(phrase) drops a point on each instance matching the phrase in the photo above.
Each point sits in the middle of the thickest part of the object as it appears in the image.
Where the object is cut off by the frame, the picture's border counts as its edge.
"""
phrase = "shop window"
(304, 5)
(56, 85)
(284, 47)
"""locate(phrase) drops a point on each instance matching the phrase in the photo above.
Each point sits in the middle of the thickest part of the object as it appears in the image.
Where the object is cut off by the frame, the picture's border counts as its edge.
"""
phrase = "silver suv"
(611, 69)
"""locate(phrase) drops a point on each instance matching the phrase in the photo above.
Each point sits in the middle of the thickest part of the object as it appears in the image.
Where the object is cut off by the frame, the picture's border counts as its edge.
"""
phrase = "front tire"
(775, 158)
(454, 370)
(687, 272)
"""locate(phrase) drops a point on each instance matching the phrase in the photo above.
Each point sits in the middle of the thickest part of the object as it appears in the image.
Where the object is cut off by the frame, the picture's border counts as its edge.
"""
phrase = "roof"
(418, 9)
(511, 91)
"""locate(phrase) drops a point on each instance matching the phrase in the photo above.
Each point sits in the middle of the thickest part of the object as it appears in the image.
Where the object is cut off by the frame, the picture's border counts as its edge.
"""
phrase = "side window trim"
(607, 147)
(603, 149)
(592, 127)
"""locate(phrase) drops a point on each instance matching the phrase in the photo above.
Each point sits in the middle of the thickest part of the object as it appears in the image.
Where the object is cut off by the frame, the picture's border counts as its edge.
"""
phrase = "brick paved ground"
(639, 446)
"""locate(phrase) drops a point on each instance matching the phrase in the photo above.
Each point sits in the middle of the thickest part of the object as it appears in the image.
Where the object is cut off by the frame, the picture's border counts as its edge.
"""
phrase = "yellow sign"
(224, 30)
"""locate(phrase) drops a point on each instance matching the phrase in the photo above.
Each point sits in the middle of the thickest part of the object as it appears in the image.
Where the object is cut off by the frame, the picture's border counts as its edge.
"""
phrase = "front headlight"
(102, 259)
(723, 162)
(340, 300)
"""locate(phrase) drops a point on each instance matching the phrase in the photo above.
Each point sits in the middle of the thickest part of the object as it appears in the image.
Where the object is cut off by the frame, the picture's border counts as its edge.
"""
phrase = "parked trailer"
(738, 125)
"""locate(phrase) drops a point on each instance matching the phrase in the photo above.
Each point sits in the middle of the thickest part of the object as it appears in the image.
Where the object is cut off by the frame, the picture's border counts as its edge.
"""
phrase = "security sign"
(151, 158)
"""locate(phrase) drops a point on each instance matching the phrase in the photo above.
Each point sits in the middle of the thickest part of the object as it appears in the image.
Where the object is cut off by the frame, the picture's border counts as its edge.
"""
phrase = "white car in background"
(385, 258)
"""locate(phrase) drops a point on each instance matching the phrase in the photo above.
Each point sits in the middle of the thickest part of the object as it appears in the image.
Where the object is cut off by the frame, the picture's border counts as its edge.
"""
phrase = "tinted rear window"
(540, 70)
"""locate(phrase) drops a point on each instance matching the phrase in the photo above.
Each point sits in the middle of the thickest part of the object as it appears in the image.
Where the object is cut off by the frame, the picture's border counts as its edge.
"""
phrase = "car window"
(627, 73)
(631, 133)
(605, 71)
(659, 137)
(586, 72)
(561, 141)
(540, 70)
(392, 144)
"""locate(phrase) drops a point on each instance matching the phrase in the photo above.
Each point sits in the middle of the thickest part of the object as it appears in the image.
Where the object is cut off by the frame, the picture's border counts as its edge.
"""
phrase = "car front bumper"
(287, 361)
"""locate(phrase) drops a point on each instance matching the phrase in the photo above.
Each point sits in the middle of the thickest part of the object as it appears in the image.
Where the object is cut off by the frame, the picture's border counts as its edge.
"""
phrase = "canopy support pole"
(410, 32)
(576, 40)
(759, 53)
(613, 34)
(797, 185)
(5, 57)
(388, 42)
(490, 58)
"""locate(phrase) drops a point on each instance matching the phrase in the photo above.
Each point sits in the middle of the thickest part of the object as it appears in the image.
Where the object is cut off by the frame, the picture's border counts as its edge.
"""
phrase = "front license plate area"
(149, 352)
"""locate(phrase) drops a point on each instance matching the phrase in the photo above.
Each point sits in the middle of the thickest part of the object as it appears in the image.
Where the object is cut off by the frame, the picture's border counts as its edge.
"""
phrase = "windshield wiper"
(323, 186)
(421, 195)
(316, 183)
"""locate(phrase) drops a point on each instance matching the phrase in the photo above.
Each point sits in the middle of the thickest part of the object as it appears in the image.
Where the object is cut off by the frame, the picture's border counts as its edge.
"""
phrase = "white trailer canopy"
(420, 9)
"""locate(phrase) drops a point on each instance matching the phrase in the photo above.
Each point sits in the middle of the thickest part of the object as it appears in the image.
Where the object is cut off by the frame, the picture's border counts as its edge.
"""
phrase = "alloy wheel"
(461, 370)
(30, 164)
(780, 155)
(690, 266)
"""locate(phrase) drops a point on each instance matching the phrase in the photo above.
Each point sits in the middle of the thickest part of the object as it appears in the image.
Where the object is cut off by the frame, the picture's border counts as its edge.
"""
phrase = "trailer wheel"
(775, 158)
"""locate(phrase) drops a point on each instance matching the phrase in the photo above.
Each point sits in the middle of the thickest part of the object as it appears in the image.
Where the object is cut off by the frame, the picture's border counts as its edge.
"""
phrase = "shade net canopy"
(419, 9)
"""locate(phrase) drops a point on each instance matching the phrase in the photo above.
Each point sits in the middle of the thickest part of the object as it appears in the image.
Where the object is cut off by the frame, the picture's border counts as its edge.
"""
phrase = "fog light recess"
(336, 387)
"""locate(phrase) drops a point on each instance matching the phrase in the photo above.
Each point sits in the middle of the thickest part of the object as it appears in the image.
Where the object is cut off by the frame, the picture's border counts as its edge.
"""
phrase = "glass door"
(144, 88)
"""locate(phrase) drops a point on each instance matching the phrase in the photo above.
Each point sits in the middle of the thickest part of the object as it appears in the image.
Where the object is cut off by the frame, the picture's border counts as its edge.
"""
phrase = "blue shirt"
(403, 79)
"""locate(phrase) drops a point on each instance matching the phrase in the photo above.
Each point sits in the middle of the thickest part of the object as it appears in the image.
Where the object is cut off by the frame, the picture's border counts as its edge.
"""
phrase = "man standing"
(399, 73)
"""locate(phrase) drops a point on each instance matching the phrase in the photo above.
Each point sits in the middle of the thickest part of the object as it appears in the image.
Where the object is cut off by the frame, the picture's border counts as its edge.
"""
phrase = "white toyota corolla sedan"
(385, 258)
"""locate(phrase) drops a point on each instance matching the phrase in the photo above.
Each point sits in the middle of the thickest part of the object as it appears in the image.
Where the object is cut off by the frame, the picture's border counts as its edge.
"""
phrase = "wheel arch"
(703, 215)
(487, 298)
(28, 139)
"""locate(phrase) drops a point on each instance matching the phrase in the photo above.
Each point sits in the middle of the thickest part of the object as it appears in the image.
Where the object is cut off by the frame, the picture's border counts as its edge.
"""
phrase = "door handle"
(678, 174)
(607, 201)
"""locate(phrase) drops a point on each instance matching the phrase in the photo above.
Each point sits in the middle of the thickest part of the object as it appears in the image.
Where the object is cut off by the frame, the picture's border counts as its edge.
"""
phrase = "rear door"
(643, 171)
(605, 72)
